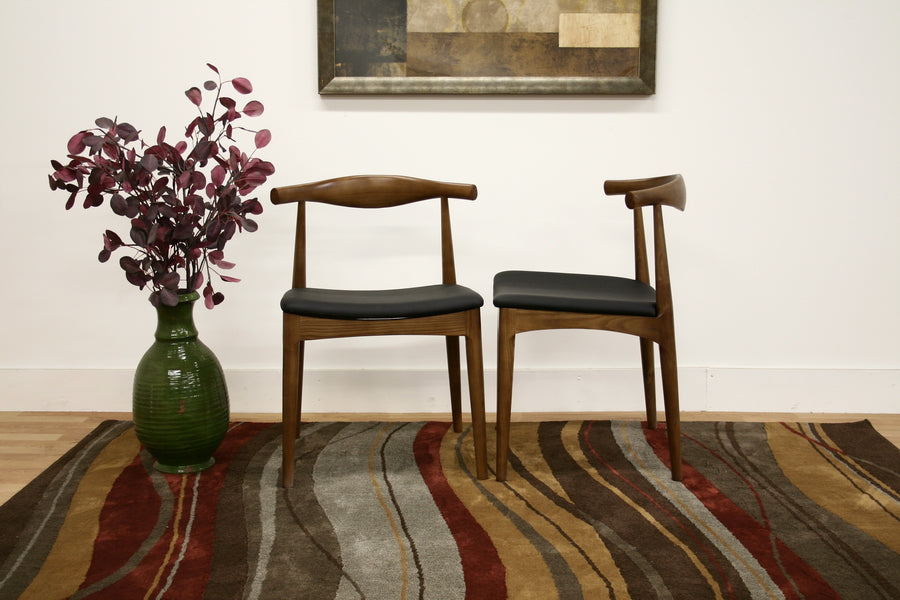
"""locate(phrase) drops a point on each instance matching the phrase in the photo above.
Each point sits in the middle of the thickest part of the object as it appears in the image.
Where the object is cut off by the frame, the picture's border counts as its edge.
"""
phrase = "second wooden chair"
(535, 300)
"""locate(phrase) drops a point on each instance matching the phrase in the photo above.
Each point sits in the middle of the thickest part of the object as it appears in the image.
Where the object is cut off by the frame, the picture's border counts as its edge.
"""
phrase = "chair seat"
(595, 294)
(424, 301)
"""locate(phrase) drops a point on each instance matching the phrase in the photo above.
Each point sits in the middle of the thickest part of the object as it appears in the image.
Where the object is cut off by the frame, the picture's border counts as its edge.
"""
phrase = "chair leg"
(649, 381)
(506, 347)
(455, 382)
(292, 389)
(669, 366)
(301, 348)
(475, 367)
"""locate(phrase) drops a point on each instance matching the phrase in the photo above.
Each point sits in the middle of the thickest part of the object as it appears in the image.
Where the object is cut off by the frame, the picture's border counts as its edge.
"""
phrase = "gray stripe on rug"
(630, 436)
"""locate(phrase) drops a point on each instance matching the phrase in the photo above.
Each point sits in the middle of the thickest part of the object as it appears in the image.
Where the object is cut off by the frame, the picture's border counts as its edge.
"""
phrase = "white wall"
(783, 118)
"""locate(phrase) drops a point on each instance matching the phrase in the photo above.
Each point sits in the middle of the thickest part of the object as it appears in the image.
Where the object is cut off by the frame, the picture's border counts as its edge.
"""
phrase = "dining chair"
(535, 300)
(445, 309)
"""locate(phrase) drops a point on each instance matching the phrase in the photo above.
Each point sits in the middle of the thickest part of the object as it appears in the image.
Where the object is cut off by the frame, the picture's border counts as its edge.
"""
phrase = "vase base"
(183, 469)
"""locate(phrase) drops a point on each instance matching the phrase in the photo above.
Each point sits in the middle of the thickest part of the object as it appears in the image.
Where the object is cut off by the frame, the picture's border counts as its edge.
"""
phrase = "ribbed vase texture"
(180, 400)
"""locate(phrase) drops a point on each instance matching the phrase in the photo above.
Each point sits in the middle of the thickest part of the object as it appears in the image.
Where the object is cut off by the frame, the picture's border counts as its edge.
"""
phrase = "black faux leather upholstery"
(422, 301)
(596, 294)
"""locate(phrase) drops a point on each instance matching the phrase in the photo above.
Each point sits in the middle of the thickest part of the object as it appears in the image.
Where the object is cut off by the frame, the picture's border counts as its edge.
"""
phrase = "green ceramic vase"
(180, 401)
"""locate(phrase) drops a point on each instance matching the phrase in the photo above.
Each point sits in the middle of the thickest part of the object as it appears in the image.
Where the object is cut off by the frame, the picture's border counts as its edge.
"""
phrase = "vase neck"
(177, 322)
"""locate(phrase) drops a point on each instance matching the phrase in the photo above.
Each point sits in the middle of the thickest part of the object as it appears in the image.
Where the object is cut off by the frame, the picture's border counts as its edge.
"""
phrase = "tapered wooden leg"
(291, 390)
(649, 373)
(301, 347)
(475, 367)
(455, 383)
(506, 347)
(669, 365)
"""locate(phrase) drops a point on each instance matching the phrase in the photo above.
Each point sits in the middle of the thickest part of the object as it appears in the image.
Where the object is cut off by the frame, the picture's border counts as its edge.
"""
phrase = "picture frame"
(384, 47)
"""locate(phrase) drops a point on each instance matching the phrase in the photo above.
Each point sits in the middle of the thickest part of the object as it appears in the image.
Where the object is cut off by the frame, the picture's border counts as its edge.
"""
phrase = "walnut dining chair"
(535, 300)
(445, 309)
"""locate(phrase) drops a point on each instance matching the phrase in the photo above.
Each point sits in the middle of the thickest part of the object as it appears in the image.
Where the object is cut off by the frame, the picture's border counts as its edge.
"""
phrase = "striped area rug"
(393, 510)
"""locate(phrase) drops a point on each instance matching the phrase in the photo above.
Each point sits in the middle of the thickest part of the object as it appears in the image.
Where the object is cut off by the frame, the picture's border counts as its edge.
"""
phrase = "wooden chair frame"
(380, 192)
(656, 193)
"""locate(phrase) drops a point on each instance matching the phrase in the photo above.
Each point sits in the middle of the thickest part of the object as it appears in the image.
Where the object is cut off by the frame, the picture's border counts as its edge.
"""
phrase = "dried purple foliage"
(183, 202)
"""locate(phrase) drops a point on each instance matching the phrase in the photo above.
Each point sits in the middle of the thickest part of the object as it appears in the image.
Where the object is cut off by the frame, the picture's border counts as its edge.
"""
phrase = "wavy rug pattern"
(393, 510)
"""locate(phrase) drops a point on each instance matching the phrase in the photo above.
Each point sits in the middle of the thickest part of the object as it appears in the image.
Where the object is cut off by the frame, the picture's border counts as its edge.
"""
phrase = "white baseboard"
(551, 390)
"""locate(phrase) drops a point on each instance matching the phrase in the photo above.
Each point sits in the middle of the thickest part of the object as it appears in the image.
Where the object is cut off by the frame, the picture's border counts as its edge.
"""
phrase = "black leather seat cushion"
(596, 294)
(422, 301)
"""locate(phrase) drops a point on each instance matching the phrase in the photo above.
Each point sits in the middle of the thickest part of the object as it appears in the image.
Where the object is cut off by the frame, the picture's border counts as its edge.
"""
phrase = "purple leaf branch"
(183, 203)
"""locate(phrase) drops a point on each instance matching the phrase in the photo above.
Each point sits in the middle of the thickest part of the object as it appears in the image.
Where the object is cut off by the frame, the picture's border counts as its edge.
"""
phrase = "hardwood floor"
(31, 441)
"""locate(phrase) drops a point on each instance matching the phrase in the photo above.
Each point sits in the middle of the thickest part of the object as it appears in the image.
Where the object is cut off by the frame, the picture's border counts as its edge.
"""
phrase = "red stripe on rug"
(196, 564)
(127, 519)
(790, 572)
(133, 506)
(669, 512)
(483, 571)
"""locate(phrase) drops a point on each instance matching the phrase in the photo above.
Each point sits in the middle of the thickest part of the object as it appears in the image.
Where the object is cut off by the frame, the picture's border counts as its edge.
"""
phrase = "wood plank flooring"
(31, 441)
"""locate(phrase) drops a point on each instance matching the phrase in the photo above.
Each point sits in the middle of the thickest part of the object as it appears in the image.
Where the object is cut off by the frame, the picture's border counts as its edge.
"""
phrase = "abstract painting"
(487, 46)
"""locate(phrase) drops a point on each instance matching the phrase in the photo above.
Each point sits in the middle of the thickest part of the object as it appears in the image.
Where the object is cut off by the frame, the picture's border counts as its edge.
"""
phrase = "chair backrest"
(373, 191)
(668, 190)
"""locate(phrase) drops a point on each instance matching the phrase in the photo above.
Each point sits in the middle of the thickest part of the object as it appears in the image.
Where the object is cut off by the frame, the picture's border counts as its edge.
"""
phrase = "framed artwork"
(487, 46)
